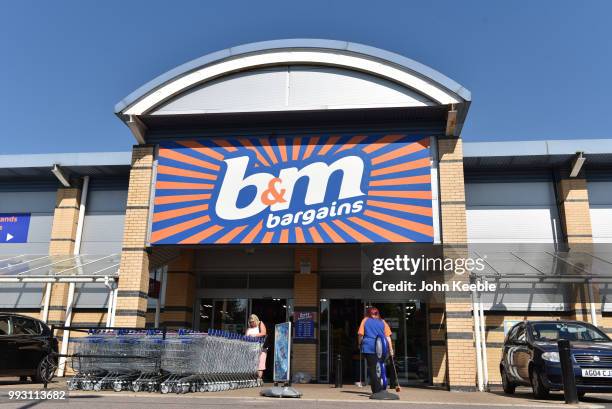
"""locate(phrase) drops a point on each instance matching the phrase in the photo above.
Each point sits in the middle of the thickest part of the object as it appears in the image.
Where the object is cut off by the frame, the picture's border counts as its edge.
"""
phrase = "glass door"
(225, 314)
(338, 324)
(408, 323)
(271, 311)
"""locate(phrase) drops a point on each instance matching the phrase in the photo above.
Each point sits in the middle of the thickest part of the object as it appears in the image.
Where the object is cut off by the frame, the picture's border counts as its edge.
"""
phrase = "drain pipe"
(592, 303)
(476, 314)
(47, 301)
(66, 334)
(483, 333)
(79, 232)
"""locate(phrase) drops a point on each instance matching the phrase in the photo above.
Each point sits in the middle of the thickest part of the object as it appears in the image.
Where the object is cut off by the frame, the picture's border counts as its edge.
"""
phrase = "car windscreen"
(553, 331)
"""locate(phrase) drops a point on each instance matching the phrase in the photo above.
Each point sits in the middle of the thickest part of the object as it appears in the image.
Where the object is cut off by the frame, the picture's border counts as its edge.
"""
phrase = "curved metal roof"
(388, 58)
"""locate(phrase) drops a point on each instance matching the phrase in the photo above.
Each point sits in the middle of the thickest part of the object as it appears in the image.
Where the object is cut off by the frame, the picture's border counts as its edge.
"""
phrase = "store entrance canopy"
(37, 268)
(543, 263)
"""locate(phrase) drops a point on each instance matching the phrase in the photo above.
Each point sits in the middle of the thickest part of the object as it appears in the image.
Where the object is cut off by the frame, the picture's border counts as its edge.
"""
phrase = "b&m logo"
(314, 189)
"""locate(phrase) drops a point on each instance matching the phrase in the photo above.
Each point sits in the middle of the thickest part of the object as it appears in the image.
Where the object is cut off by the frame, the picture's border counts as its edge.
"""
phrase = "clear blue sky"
(536, 69)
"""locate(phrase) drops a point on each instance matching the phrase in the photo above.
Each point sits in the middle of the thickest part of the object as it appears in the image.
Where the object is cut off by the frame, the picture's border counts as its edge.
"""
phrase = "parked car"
(531, 357)
(27, 348)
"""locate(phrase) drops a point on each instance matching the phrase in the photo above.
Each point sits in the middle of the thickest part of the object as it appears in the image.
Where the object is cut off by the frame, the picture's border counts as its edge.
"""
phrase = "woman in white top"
(258, 329)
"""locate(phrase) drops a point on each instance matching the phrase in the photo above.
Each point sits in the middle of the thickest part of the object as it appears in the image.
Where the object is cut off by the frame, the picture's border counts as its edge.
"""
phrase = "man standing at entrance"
(372, 326)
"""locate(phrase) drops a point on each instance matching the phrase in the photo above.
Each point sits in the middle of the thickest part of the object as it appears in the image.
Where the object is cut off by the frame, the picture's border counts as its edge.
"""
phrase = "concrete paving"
(314, 396)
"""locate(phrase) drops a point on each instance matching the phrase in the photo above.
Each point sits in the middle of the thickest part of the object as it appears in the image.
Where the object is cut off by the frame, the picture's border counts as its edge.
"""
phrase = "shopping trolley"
(149, 347)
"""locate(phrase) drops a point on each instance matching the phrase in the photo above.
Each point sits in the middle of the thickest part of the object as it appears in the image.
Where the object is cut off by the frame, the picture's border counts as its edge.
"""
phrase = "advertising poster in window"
(282, 352)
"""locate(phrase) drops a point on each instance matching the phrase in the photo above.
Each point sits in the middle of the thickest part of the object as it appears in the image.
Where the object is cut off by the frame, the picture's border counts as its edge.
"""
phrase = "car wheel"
(45, 370)
(508, 386)
(581, 395)
(537, 386)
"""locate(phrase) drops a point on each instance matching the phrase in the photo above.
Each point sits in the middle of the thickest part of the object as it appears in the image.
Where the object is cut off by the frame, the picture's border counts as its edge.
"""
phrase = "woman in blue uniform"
(372, 326)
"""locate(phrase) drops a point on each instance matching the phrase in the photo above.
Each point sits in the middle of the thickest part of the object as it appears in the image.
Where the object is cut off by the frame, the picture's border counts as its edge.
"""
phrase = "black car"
(531, 357)
(27, 348)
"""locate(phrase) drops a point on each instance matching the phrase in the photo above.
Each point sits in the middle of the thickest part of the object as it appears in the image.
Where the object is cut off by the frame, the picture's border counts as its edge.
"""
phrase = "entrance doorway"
(270, 312)
(344, 319)
(340, 319)
(231, 314)
(408, 323)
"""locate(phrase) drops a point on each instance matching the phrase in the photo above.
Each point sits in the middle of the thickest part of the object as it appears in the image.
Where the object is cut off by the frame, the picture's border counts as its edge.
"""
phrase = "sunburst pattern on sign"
(396, 185)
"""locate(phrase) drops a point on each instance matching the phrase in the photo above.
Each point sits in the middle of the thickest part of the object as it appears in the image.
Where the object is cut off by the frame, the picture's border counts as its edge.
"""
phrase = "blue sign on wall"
(14, 227)
(304, 325)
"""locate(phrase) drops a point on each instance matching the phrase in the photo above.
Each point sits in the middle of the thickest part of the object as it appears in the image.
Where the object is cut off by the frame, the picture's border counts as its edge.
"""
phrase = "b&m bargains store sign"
(311, 189)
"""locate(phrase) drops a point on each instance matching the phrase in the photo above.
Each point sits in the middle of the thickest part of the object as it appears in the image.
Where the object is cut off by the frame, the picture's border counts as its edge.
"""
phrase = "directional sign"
(14, 227)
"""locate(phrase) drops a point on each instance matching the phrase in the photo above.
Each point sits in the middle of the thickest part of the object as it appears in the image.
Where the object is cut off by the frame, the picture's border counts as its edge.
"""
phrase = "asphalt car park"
(317, 396)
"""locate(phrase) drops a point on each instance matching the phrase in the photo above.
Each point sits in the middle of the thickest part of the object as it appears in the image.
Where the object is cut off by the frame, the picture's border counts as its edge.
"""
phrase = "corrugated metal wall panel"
(41, 205)
(600, 201)
(244, 91)
(330, 86)
(295, 88)
(512, 212)
(527, 297)
(20, 295)
(91, 295)
(104, 219)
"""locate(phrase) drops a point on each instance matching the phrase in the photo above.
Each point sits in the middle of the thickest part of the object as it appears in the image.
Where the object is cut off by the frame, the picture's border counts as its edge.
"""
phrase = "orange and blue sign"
(14, 227)
(309, 189)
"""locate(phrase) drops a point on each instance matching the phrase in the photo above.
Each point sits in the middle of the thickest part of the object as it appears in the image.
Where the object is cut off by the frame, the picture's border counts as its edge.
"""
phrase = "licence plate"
(597, 373)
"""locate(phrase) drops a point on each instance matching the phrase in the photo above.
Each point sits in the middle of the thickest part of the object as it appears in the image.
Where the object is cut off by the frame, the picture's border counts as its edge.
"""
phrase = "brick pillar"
(575, 210)
(306, 298)
(180, 292)
(575, 213)
(437, 343)
(63, 235)
(460, 347)
(134, 265)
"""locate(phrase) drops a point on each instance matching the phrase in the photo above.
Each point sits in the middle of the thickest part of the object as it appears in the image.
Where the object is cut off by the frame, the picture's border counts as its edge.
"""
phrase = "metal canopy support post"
(592, 303)
(158, 301)
(109, 309)
(66, 336)
(483, 333)
(45, 316)
(476, 316)
(114, 307)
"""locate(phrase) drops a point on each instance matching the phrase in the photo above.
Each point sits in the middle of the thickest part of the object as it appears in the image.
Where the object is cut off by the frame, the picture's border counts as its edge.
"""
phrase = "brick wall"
(65, 220)
(457, 321)
(134, 265)
(180, 292)
(63, 235)
(575, 211)
(306, 298)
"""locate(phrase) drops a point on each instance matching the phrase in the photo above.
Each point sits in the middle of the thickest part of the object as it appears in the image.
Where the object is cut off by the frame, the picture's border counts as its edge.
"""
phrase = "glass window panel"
(25, 326)
(206, 314)
(93, 265)
(4, 326)
(231, 314)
